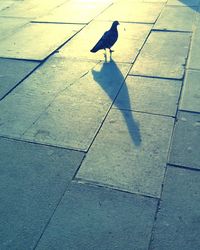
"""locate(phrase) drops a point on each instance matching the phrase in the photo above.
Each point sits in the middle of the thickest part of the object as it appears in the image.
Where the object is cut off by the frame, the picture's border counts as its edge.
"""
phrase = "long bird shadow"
(111, 79)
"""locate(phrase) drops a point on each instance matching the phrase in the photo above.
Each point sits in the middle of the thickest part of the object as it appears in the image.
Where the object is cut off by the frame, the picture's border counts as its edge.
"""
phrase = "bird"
(108, 39)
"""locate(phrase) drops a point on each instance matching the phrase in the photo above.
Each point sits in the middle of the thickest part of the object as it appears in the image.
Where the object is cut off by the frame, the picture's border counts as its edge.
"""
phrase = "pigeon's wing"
(101, 44)
(106, 41)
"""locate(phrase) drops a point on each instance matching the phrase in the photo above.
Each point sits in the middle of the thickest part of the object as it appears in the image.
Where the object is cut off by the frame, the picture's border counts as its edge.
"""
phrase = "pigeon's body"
(108, 39)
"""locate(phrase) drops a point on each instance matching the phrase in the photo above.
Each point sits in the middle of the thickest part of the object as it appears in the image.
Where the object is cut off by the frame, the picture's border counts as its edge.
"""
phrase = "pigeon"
(108, 39)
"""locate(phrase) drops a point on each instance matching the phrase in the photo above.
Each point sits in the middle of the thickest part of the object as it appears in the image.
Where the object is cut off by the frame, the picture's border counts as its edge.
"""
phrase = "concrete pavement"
(99, 153)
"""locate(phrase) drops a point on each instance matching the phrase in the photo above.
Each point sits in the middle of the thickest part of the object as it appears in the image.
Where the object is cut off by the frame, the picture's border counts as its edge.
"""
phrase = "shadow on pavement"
(110, 70)
(193, 4)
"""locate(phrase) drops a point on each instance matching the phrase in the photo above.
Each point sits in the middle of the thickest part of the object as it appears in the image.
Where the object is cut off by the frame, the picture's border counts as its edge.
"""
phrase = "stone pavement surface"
(99, 152)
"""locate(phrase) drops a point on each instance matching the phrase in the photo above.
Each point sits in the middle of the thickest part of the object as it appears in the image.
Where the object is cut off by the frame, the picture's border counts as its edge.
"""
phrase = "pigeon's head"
(115, 23)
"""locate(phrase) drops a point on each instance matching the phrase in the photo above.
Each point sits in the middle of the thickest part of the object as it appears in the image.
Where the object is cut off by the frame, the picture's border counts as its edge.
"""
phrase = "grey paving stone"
(131, 35)
(88, 10)
(132, 12)
(176, 18)
(12, 72)
(97, 218)
(177, 224)
(32, 181)
(185, 144)
(129, 152)
(158, 96)
(30, 9)
(190, 99)
(10, 25)
(183, 2)
(21, 108)
(74, 117)
(194, 56)
(164, 55)
(36, 40)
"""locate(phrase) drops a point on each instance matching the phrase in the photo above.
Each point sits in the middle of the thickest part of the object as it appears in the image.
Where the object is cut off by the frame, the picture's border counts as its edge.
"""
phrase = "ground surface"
(99, 153)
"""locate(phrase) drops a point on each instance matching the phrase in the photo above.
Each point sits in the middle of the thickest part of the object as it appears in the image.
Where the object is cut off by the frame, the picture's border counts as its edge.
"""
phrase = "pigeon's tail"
(95, 49)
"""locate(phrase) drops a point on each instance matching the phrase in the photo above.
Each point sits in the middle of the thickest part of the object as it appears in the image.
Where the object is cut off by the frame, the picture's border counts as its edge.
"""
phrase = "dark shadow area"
(193, 4)
(111, 80)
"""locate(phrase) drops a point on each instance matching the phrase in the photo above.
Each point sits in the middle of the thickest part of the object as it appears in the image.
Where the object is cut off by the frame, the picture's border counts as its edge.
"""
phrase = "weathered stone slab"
(164, 55)
(29, 100)
(131, 35)
(12, 72)
(129, 152)
(30, 8)
(10, 25)
(74, 117)
(151, 95)
(32, 181)
(185, 144)
(194, 56)
(183, 2)
(191, 92)
(69, 12)
(5, 4)
(177, 224)
(97, 218)
(36, 41)
(132, 12)
(176, 18)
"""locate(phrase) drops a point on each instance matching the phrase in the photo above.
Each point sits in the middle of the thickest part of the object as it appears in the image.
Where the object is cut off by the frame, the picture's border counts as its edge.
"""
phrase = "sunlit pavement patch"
(75, 11)
(158, 96)
(36, 41)
(96, 218)
(21, 108)
(30, 9)
(12, 72)
(164, 55)
(129, 153)
(176, 18)
(8, 26)
(32, 182)
(186, 138)
(74, 117)
(190, 99)
(131, 39)
(132, 12)
(177, 223)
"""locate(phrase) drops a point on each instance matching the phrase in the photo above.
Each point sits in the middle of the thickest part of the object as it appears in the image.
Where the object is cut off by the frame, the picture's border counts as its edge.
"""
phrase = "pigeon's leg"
(111, 51)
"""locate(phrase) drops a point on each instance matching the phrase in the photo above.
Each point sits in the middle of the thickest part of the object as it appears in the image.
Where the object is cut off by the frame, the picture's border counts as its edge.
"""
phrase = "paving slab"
(176, 18)
(30, 9)
(32, 182)
(10, 25)
(26, 103)
(97, 218)
(185, 144)
(177, 224)
(183, 2)
(36, 41)
(12, 72)
(5, 4)
(163, 55)
(132, 12)
(88, 10)
(74, 117)
(194, 56)
(190, 99)
(151, 95)
(129, 153)
(133, 35)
